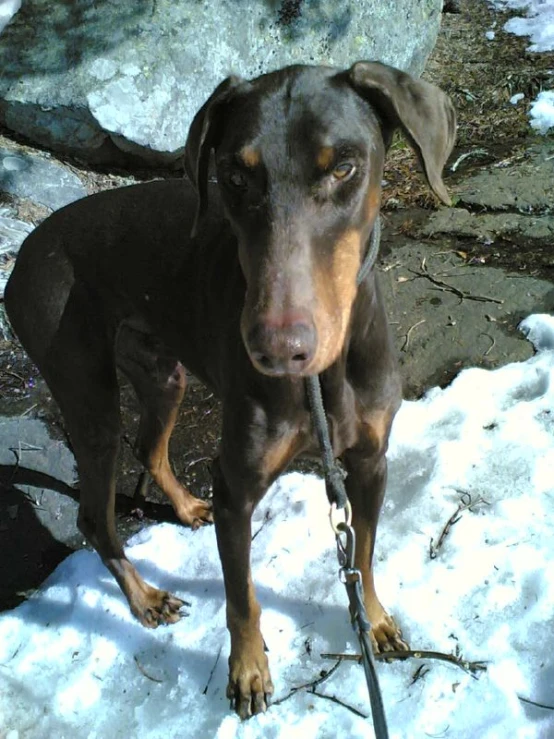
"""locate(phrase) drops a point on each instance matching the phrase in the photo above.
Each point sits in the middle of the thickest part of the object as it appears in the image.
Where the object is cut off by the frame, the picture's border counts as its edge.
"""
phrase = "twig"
(419, 674)
(466, 665)
(338, 701)
(445, 286)
(407, 337)
(534, 703)
(212, 672)
(267, 519)
(32, 408)
(312, 685)
(469, 95)
(311, 688)
(34, 501)
(196, 461)
(143, 671)
(5, 664)
(465, 504)
(14, 374)
(453, 659)
(474, 153)
(388, 267)
(491, 347)
(25, 448)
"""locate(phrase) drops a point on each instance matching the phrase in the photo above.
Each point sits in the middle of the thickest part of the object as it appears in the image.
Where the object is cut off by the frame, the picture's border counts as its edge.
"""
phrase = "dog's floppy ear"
(423, 111)
(204, 132)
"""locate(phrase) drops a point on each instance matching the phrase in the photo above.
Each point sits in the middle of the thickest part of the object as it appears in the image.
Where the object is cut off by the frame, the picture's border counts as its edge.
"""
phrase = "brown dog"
(263, 293)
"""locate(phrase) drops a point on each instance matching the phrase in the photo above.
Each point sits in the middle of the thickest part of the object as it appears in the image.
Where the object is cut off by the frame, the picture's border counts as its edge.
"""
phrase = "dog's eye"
(343, 171)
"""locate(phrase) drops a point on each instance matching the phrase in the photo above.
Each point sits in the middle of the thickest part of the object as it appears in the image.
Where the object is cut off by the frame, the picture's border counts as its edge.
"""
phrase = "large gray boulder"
(99, 79)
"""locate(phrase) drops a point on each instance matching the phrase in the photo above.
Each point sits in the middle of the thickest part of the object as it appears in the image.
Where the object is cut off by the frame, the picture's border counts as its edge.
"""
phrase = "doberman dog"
(251, 284)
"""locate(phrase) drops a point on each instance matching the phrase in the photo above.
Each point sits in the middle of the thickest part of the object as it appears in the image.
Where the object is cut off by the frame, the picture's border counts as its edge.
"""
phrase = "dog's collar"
(372, 252)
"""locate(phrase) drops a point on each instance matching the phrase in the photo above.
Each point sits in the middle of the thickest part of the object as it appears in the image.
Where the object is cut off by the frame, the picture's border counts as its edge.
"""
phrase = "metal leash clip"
(352, 580)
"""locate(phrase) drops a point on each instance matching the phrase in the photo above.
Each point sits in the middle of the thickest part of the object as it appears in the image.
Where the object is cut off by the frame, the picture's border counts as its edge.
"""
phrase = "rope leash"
(345, 535)
(352, 580)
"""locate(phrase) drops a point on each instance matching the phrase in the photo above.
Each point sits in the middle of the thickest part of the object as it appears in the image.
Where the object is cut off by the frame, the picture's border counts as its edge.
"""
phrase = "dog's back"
(92, 245)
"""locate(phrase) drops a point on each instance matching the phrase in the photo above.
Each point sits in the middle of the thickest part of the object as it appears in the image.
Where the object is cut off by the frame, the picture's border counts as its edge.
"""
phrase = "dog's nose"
(282, 347)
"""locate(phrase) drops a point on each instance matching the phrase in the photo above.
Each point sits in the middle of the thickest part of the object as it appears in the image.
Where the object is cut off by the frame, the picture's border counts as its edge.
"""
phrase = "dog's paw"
(250, 687)
(195, 513)
(158, 607)
(386, 636)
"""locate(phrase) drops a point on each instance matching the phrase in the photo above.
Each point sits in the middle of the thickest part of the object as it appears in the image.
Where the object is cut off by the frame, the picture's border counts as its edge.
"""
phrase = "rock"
(100, 79)
(487, 226)
(437, 331)
(30, 176)
(502, 201)
(12, 234)
(525, 187)
(35, 450)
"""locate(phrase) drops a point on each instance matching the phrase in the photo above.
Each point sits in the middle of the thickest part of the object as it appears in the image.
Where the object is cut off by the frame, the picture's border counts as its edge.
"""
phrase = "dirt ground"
(457, 282)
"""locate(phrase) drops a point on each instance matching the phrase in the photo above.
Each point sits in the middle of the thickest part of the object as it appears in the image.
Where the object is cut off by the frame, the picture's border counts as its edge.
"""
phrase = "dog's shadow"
(38, 515)
(28, 549)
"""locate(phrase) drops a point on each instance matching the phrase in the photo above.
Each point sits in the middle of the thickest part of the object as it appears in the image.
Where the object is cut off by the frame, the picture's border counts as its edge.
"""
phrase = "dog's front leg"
(249, 679)
(366, 468)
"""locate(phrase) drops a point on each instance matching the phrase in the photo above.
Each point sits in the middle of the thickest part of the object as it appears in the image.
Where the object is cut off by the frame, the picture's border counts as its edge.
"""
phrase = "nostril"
(280, 348)
(262, 359)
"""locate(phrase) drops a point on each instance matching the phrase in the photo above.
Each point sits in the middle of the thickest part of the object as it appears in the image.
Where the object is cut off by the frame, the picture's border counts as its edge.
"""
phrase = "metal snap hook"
(334, 516)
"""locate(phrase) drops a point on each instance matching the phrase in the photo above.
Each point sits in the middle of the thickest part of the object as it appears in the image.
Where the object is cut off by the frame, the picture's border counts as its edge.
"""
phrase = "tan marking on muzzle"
(250, 156)
(335, 292)
(373, 203)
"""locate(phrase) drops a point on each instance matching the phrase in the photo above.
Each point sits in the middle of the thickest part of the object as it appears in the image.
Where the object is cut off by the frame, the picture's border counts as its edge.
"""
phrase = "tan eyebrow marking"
(325, 157)
(250, 156)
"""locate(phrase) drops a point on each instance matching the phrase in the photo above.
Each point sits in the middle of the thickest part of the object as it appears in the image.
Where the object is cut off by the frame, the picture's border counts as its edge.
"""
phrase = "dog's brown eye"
(343, 171)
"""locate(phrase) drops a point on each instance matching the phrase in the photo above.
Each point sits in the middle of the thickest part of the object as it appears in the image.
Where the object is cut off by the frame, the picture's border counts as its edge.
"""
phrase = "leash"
(372, 252)
(344, 533)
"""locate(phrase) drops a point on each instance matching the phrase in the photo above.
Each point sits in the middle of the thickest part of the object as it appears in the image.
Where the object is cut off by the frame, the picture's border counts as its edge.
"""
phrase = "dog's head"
(299, 157)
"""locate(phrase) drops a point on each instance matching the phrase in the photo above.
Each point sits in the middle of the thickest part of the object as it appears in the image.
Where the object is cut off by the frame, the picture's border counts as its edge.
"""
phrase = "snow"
(517, 97)
(538, 24)
(542, 111)
(8, 8)
(74, 663)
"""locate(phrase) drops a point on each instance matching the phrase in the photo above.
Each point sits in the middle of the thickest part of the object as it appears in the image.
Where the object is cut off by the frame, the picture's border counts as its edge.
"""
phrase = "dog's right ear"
(204, 132)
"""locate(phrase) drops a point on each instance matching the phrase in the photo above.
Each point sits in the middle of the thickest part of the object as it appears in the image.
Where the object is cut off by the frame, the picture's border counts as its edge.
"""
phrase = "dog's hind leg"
(79, 368)
(159, 382)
